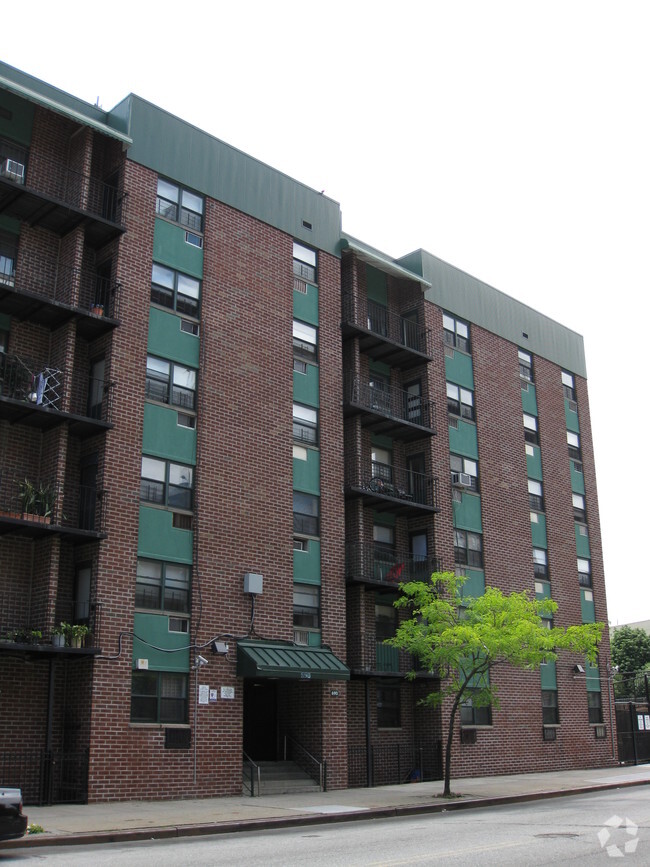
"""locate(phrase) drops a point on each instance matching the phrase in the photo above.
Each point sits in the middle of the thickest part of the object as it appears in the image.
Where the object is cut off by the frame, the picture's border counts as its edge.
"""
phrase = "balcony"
(392, 489)
(38, 508)
(50, 194)
(82, 295)
(368, 655)
(387, 410)
(31, 395)
(370, 564)
(383, 335)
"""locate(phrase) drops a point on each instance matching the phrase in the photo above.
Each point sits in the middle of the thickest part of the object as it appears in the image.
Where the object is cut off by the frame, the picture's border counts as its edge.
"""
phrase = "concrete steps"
(281, 778)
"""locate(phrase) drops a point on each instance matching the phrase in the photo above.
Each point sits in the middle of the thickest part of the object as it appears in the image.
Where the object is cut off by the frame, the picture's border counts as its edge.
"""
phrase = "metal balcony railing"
(46, 502)
(373, 564)
(402, 331)
(369, 654)
(389, 402)
(35, 383)
(79, 288)
(392, 482)
(20, 623)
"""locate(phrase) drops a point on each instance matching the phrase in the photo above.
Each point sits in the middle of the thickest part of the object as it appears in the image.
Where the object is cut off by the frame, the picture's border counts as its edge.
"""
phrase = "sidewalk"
(70, 824)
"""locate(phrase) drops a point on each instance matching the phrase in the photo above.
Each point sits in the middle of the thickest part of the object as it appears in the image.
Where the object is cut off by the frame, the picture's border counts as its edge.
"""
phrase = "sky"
(511, 139)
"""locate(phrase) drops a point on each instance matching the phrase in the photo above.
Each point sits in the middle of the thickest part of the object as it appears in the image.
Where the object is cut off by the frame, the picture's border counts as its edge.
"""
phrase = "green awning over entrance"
(280, 659)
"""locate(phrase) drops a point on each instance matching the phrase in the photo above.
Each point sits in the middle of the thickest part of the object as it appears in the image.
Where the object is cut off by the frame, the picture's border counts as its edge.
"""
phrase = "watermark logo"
(625, 827)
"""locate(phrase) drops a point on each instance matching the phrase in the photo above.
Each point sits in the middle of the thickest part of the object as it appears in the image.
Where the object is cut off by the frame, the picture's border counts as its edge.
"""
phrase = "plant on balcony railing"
(37, 500)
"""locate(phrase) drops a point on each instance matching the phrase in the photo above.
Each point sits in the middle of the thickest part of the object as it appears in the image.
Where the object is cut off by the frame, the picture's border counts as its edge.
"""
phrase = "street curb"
(167, 832)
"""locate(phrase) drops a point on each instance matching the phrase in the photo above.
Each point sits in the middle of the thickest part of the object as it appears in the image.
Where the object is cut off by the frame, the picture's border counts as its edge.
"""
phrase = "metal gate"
(46, 777)
(633, 731)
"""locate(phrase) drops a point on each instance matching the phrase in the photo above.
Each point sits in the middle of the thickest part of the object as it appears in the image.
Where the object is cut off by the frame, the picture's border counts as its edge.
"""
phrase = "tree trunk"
(450, 736)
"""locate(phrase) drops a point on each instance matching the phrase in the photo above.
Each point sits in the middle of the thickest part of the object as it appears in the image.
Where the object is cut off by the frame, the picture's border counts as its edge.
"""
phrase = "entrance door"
(261, 720)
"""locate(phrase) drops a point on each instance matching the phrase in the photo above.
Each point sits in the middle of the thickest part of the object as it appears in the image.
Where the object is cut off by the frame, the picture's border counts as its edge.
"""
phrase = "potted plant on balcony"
(60, 633)
(97, 309)
(45, 500)
(27, 496)
(78, 633)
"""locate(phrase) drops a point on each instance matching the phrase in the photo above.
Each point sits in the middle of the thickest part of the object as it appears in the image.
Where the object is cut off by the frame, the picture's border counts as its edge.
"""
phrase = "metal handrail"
(254, 767)
(378, 319)
(288, 739)
(390, 402)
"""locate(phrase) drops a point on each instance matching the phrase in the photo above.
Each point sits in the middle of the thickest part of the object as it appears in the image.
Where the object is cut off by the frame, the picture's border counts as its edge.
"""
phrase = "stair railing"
(255, 773)
(316, 768)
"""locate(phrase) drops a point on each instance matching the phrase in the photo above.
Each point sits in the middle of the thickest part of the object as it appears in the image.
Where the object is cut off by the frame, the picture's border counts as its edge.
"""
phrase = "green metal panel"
(387, 658)
(592, 677)
(529, 399)
(168, 341)
(314, 639)
(577, 481)
(163, 437)
(376, 285)
(459, 369)
(534, 462)
(582, 544)
(467, 513)
(381, 441)
(548, 675)
(5, 321)
(154, 629)
(306, 474)
(17, 118)
(587, 607)
(284, 660)
(379, 367)
(572, 421)
(171, 248)
(476, 301)
(196, 159)
(157, 537)
(385, 518)
(8, 224)
(545, 591)
(305, 305)
(306, 564)
(463, 440)
(306, 386)
(475, 584)
(538, 531)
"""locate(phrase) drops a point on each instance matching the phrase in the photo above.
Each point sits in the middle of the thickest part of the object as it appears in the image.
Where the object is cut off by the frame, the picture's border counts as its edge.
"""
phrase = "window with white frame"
(305, 339)
(455, 332)
(8, 255)
(166, 484)
(531, 434)
(584, 572)
(568, 386)
(575, 453)
(306, 513)
(306, 607)
(179, 205)
(460, 401)
(468, 548)
(305, 424)
(382, 464)
(579, 511)
(540, 563)
(169, 382)
(470, 714)
(535, 495)
(525, 365)
(550, 713)
(304, 262)
(177, 291)
(159, 697)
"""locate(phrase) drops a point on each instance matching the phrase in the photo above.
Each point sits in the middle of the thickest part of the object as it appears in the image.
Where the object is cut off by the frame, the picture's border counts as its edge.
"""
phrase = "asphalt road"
(583, 829)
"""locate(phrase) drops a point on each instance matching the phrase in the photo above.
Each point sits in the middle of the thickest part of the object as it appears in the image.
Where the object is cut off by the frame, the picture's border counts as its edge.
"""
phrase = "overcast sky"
(509, 138)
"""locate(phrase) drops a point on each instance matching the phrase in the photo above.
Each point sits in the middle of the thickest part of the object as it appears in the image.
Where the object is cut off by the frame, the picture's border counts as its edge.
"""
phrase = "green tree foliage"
(630, 649)
(463, 639)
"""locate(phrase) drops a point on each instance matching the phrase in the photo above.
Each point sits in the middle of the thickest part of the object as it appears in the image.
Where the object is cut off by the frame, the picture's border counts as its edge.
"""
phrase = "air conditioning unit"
(300, 636)
(13, 170)
(461, 480)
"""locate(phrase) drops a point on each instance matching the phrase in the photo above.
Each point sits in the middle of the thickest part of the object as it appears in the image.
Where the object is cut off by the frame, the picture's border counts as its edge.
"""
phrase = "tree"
(464, 638)
(630, 649)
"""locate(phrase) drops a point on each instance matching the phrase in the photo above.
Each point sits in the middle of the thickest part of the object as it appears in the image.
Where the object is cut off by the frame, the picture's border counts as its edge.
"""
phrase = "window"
(300, 544)
(174, 290)
(162, 586)
(305, 339)
(158, 697)
(474, 716)
(468, 548)
(379, 388)
(382, 461)
(464, 472)
(530, 429)
(568, 386)
(166, 484)
(304, 262)
(455, 332)
(584, 572)
(385, 622)
(306, 510)
(4, 340)
(540, 563)
(525, 365)
(384, 537)
(305, 424)
(460, 401)
(180, 205)
(8, 253)
(579, 512)
(573, 443)
(388, 707)
(414, 402)
(172, 383)
(535, 495)
(595, 705)
(306, 606)
(550, 714)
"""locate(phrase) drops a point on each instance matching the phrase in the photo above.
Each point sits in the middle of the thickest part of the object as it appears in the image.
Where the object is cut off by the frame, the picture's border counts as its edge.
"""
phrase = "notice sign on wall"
(204, 693)
(640, 721)
(227, 692)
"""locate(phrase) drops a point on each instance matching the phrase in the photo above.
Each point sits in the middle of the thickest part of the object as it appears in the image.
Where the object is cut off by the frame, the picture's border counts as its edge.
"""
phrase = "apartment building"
(228, 431)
